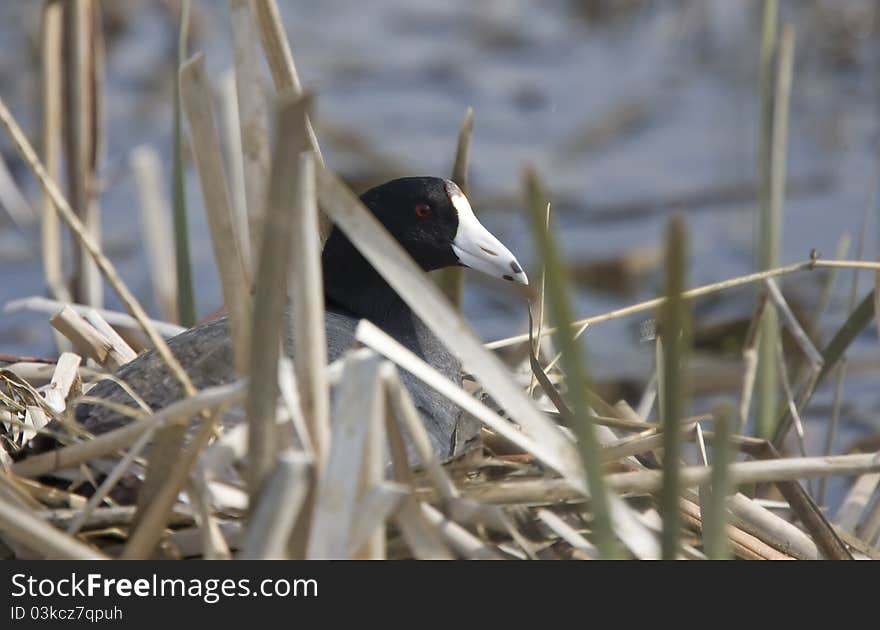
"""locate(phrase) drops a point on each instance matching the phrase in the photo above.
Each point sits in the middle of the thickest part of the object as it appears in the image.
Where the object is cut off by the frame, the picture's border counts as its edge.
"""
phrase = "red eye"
(423, 210)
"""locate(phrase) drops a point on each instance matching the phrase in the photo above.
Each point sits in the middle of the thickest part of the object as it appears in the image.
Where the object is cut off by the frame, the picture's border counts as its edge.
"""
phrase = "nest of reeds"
(560, 474)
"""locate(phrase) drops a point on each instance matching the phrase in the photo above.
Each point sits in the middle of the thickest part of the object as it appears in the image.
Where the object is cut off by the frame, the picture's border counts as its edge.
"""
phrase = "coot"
(434, 222)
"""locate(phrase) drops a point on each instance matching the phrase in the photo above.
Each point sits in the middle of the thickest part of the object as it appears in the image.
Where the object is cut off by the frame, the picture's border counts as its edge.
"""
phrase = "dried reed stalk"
(745, 545)
(82, 88)
(271, 294)
(63, 377)
(37, 535)
(253, 116)
(357, 411)
(307, 295)
(230, 134)
(51, 96)
(650, 305)
(196, 98)
(544, 491)
(120, 320)
(278, 506)
(120, 352)
(277, 51)
(84, 337)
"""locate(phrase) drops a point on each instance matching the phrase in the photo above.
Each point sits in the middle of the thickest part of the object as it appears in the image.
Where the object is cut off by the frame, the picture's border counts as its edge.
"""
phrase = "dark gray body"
(205, 352)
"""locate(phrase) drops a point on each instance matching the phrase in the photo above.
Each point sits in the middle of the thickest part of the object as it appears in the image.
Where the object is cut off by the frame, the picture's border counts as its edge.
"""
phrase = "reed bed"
(561, 473)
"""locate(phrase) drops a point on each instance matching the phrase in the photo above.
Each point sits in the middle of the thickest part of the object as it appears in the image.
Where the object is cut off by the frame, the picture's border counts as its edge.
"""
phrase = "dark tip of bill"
(515, 268)
(508, 278)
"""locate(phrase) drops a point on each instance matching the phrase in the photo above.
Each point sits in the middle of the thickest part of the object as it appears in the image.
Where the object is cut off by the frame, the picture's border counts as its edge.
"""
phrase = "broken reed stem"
(557, 293)
(451, 279)
(85, 339)
(64, 376)
(271, 295)
(186, 306)
(676, 332)
(91, 246)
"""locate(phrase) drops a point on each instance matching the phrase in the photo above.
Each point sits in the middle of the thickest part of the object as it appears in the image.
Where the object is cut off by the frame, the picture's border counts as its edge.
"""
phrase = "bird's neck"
(352, 285)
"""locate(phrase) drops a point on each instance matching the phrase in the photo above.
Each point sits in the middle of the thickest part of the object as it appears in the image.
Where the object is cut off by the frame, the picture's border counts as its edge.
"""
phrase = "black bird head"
(433, 220)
